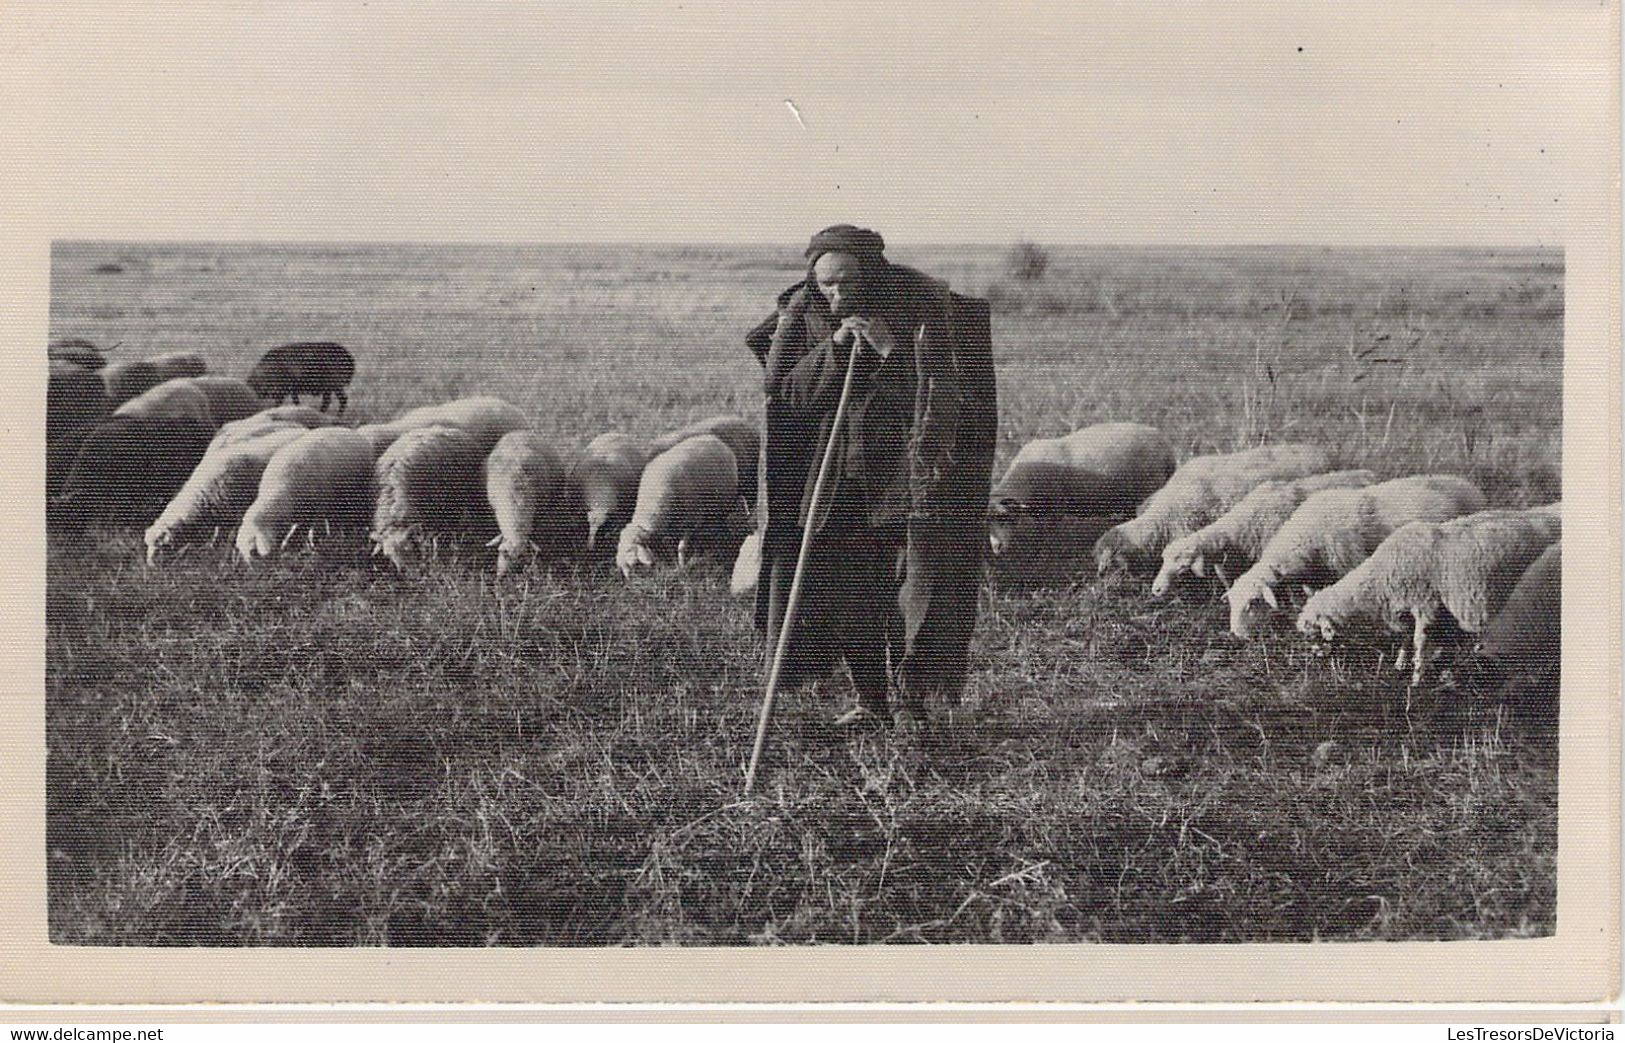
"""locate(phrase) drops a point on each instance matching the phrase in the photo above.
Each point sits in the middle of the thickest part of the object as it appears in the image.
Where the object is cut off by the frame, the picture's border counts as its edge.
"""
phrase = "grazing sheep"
(747, 565)
(309, 368)
(1528, 631)
(1102, 469)
(736, 432)
(688, 487)
(1201, 490)
(126, 469)
(74, 397)
(1336, 529)
(229, 398)
(528, 488)
(1244, 529)
(484, 418)
(126, 380)
(321, 475)
(607, 475)
(1467, 567)
(79, 351)
(220, 490)
(178, 397)
(428, 482)
(173, 364)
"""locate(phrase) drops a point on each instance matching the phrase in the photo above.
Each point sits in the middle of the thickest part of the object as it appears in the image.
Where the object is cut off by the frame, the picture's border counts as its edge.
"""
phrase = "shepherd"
(896, 530)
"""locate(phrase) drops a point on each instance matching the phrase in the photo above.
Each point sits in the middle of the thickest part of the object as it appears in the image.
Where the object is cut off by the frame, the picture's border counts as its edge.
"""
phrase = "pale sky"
(1419, 122)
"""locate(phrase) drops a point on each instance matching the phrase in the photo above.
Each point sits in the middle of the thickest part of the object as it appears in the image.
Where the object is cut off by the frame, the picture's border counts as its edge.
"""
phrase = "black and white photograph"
(707, 476)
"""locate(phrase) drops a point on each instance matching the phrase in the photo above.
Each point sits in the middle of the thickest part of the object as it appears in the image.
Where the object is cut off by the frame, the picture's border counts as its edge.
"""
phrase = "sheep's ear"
(1199, 566)
(1269, 597)
(1308, 591)
(644, 557)
(1218, 570)
(494, 540)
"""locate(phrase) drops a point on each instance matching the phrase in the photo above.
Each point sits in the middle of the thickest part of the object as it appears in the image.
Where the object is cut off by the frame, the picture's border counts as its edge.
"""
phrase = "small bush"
(1027, 262)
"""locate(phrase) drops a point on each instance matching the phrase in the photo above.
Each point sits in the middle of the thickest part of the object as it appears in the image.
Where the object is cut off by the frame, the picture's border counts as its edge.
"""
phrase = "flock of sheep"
(163, 444)
(195, 453)
(1413, 553)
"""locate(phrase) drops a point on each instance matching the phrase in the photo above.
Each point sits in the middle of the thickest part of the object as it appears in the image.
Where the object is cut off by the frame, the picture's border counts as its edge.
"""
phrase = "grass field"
(319, 752)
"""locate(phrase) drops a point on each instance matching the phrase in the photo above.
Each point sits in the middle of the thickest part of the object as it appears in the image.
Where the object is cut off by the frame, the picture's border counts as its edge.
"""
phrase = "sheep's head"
(395, 543)
(1316, 620)
(633, 551)
(253, 541)
(157, 539)
(1114, 554)
(1005, 520)
(1252, 599)
(1177, 559)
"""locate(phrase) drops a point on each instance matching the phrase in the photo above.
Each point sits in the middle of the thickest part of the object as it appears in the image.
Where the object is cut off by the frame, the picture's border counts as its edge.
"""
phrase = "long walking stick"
(794, 600)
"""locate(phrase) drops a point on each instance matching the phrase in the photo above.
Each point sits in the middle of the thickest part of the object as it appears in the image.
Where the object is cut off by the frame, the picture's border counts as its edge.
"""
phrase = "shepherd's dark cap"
(867, 246)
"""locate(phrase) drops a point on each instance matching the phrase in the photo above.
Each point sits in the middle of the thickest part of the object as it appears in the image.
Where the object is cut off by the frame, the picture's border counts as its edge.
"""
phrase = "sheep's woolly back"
(484, 418)
(230, 399)
(1198, 492)
(174, 364)
(306, 416)
(1246, 528)
(177, 398)
(524, 477)
(1529, 627)
(747, 566)
(1467, 565)
(607, 475)
(429, 480)
(1334, 530)
(1101, 469)
(280, 418)
(737, 433)
(325, 473)
(689, 485)
(220, 489)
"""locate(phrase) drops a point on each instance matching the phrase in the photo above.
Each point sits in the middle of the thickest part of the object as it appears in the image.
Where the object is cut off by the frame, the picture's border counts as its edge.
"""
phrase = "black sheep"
(311, 368)
(127, 469)
(78, 351)
(74, 397)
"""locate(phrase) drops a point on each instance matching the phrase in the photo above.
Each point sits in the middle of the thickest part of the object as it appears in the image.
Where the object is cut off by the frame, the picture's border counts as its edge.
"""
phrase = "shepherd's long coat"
(921, 442)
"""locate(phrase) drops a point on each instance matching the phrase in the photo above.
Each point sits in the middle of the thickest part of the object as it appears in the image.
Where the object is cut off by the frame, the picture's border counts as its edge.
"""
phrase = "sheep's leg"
(327, 400)
(1399, 660)
(682, 553)
(1420, 655)
(344, 400)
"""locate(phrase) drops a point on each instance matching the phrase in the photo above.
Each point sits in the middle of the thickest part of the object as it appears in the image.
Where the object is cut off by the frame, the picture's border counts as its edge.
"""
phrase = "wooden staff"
(794, 600)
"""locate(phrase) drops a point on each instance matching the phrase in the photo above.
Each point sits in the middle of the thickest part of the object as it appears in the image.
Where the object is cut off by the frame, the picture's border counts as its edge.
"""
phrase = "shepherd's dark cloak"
(950, 460)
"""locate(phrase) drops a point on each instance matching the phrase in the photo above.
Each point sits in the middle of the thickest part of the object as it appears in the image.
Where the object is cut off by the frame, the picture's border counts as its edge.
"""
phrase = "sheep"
(309, 368)
(126, 469)
(230, 399)
(323, 474)
(1201, 490)
(428, 482)
(126, 380)
(747, 566)
(528, 487)
(1243, 530)
(1102, 469)
(219, 491)
(607, 474)
(173, 364)
(684, 489)
(305, 416)
(484, 418)
(1528, 630)
(79, 351)
(736, 432)
(1336, 529)
(1466, 566)
(74, 397)
(178, 397)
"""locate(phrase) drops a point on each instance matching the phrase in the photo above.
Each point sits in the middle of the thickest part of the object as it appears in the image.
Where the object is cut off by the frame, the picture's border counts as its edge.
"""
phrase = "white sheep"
(607, 474)
(220, 489)
(1101, 469)
(1243, 530)
(688, 487)
(282, 418)
(1528, 630)
(736, 432)
(484, 418)
(527, 486)
(177, 398)
(230, 399)
(1466, 566)
(1202, 489)
(324, 474)
(305, 416)
(1336, 529)
(747, 566)
(428, 482)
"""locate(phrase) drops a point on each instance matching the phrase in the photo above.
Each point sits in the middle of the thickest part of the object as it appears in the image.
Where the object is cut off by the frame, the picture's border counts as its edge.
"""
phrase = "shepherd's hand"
(874, 334)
